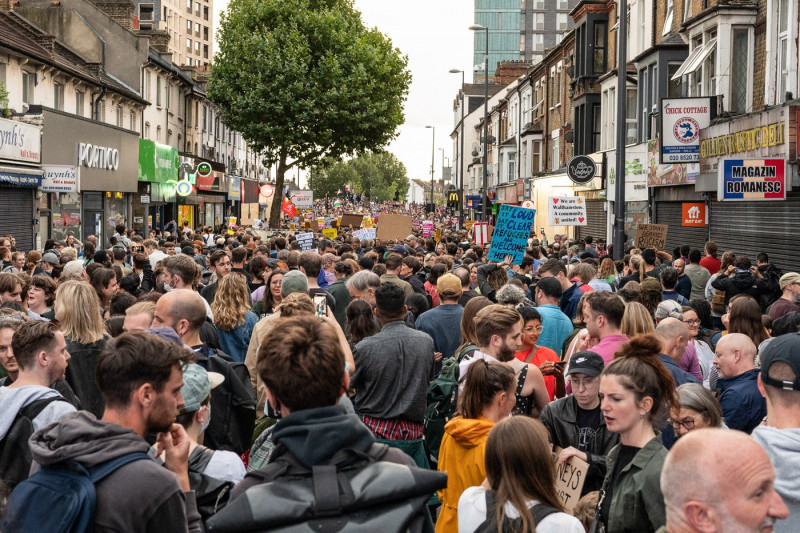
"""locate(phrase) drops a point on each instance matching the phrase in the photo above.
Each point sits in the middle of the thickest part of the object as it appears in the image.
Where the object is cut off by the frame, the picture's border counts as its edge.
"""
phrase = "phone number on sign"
(690, 158)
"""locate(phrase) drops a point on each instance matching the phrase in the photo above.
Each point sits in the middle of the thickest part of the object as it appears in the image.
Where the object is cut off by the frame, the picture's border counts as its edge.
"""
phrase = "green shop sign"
(158, 163)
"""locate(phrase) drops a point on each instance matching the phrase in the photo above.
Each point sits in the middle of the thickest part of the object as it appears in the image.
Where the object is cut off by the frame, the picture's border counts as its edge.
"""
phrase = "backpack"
(60, 498)
(15, 453)
(539, 511)
(772, 275)
(442, 399)
(355, 492)
(210, 493)
(233, 403)
(718, 301)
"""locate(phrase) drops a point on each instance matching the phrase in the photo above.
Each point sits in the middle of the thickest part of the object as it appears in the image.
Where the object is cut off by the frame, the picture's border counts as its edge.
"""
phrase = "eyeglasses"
(534, 329)
(692, 322)
(688, 423)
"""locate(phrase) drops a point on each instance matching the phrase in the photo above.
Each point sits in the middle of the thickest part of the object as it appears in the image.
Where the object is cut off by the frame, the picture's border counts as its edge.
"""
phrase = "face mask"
(167, 287)
(208, 418)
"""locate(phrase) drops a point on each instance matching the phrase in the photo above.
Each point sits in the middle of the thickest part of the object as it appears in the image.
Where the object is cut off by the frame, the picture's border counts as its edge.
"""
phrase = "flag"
(288, 208)
(337, 203)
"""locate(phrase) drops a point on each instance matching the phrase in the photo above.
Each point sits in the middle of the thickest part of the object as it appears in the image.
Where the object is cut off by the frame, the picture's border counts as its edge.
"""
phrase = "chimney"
(508, 71)
(120, 10)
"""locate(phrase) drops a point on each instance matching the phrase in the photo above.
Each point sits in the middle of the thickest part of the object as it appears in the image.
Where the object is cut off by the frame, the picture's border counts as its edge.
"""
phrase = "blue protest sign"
(511, 232)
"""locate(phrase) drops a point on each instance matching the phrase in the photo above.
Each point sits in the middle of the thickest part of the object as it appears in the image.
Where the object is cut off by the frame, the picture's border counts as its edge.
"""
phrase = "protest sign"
(481, 233)
(351, 220)
(330, 233)
(651, 236)
(570, 478)
(396, 227)
(368, 222)
(416, 224)
(468, 224)
(321, 223)
(437, 236)
(306, 241)
(566, 211)
(511, 232)
(427, 227)
(366, 233)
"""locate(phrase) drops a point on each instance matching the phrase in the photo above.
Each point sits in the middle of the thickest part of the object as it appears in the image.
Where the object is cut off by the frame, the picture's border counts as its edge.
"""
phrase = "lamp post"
(622, 87)
(484, 199)
(433, 154)
(461, 154)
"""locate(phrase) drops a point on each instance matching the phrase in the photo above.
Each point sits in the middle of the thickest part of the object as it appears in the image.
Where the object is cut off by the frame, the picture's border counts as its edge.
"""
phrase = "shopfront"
(214, 190)
(250, 207)
(20, 175)
(594, 192)
(543, 188)
(155, 203)
(105, 158)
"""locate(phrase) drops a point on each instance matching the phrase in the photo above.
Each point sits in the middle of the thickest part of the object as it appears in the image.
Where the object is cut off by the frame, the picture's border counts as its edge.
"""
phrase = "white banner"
(566, 211)
(20, 141)
(60, 178)
(303, 199)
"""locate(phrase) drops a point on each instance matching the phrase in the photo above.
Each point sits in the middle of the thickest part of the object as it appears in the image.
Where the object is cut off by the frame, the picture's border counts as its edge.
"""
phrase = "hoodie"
(461, 456)
(783, 448)
(742, 282)
(159, 503)
(13, 400)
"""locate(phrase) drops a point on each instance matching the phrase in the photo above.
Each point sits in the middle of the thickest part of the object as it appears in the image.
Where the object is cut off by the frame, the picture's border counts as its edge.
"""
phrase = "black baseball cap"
(786, 349)
(586, 362)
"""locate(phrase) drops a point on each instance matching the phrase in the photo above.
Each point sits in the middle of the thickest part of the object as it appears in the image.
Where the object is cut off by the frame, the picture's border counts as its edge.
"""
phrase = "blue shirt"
(236, 341)
(556, 327)
(684, 287)
(743, 406)
(570, 299)
(443, 324)
(674, 296)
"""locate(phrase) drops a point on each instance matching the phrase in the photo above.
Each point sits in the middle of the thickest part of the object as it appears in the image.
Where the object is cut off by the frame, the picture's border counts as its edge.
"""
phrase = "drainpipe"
(96, 102)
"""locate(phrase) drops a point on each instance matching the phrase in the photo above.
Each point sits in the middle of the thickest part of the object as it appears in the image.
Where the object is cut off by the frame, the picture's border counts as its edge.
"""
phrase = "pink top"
(608, 346)
(690, 362)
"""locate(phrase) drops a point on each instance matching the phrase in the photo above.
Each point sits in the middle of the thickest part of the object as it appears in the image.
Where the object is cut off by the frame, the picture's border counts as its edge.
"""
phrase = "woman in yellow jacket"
(488, 397)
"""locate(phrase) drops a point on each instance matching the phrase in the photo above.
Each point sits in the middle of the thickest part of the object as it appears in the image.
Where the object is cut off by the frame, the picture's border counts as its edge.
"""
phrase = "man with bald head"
(735, 492)
(742, 404)
(674, 338)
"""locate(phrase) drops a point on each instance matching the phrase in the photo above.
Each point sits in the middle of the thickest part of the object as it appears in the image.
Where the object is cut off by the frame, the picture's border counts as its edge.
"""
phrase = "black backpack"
(211, 494)
(356, 492)
(442, 400)
(539, 511)
(233, 403)
(15, 452)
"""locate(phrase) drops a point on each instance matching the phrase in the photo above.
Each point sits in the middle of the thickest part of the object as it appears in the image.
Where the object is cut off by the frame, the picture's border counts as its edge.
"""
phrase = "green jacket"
(637, 505)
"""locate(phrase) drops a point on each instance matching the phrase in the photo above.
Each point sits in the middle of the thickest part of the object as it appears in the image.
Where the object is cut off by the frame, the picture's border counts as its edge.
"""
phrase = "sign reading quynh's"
(752, 179)
(511, 232)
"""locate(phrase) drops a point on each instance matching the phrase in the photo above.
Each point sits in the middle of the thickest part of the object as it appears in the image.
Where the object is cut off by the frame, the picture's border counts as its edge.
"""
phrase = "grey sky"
(434, 36)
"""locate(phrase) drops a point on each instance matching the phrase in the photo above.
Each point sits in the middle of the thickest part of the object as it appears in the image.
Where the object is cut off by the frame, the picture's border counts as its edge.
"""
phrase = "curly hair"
(231, 303)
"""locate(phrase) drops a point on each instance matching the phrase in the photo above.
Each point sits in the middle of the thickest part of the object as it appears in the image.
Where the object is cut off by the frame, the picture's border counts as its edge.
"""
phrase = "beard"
(731, 525)
(505, 354)
(161, 418)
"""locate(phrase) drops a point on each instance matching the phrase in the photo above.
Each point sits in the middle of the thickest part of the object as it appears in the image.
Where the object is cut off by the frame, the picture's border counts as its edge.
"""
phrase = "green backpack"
(442, 399)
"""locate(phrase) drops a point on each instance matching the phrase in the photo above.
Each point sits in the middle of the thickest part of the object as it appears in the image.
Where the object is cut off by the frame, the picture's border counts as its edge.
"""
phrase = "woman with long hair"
(106, 285)
(488, 397)
(34, 262)
(437, 270)
(636, 320)
(744, 317)
(272, 294)
(360, 322)
(634, 271)
(232, 316)
(520, 480)
(634, 389)
(469, 340)
(77, 309)
(608, 272)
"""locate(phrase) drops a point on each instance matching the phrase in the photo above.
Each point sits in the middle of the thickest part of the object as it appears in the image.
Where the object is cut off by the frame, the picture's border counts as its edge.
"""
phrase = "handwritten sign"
(330, 233)
(570, 478)
(651, 236)
(351, 220)
(566, 211)
(366, 233)
(395, 227)
(511, 231)
(306, 241)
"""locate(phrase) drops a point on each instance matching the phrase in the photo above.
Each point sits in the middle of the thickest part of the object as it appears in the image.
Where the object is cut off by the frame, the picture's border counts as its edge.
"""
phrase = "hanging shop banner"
(60, 178)
(752, 179)
(511, 232)
(566, 211)
(693, 214)
(681, 122)
(234, 188)
(20, 142)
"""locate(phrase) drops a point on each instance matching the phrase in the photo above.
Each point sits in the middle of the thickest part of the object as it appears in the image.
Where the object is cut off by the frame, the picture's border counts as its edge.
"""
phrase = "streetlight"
(484, 200)
(433, 153)
(461, 153)
(622, 91)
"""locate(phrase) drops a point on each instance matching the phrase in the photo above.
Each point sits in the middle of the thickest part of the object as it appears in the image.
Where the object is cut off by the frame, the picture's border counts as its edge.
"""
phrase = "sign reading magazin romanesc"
(752, 179)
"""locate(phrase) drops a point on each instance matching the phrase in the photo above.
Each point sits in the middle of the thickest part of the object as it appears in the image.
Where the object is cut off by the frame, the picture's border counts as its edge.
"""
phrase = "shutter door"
(750, 228)
(16, 215)
(596, 221)
(670, 213)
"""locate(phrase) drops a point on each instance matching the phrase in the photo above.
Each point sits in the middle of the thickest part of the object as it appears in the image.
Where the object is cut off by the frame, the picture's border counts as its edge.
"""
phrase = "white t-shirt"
(472, 513)
(226, 466)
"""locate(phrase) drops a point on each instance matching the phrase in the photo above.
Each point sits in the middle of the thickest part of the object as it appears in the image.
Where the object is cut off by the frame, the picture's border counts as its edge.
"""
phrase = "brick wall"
(119, 10)
(508, 71)
(760, 57)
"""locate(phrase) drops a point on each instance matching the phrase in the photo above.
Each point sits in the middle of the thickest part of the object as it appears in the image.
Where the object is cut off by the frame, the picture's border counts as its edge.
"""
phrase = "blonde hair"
(637, 265)
(636, 320)
(231, 303)
(78, 309)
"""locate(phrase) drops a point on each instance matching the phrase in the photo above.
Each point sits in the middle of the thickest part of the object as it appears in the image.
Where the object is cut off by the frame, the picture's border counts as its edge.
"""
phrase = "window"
(197, 46)
(168, 95)
(147, 84)
(146, 130)
(158, 133)
(119, 116)
(205, 33)
(563, 4)
(556, 155)
(79, 102)
(557, 86)
(27, 86)
(783, 50)
(668, 18)
(674, 86)
(188, 45)
(597, 126)
(205, 12)
(538, 21)
(197, 28)
(687, 9)
(500, 20)
(538, 41)
(561, 21)
(101, 111)
(146, 12)
(512, 167)
(189, 5)
(538, 4)
(609, 111)
(522, 42)
(58, 96)
(188, 25)
(132, 121)
(599, 59)
(536, 160)
(631, 124)
(740, 44)
(551, 87)
(158, 91)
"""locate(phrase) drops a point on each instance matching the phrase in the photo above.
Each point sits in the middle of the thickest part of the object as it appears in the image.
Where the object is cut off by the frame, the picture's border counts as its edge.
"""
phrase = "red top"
(542, 355)
(711, 264)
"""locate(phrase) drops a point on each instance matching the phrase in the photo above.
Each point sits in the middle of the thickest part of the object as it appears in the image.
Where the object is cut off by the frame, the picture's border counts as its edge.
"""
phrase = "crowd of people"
(232, 379)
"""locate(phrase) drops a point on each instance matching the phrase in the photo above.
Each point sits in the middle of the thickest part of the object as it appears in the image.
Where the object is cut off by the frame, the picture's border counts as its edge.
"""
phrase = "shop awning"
(21, 177)
(695, 59)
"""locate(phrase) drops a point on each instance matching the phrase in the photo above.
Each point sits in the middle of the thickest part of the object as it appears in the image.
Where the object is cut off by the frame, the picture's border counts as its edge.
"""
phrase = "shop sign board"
(752, 179)
(693, 215)
(60, 178)
(682, 120)
(20, 142)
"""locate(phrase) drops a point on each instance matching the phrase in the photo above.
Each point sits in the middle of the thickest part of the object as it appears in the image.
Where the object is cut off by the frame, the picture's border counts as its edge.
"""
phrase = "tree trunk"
(277, 202)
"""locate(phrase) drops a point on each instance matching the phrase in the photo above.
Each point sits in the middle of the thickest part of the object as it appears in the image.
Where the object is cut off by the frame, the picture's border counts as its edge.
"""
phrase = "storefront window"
(65, 215)
(116, 211)
(186, 214)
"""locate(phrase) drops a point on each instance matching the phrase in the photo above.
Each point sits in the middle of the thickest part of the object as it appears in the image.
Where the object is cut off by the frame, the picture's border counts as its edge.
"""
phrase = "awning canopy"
(695, 59)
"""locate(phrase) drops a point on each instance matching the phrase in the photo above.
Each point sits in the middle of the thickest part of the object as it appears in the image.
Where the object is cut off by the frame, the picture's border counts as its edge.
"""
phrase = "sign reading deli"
(744, 141)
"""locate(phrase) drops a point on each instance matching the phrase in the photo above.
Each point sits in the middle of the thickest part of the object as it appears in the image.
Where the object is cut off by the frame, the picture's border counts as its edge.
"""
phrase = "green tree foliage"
(304, 80)
(376, 175)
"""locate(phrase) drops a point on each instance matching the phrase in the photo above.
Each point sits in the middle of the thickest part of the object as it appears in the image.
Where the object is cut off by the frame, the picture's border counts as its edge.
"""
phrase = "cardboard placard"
(351, 220)
(570, 478)
(394, 227)
(306, 241)
(651, 236)
(330, 233)
(511, 232)
(566, 211)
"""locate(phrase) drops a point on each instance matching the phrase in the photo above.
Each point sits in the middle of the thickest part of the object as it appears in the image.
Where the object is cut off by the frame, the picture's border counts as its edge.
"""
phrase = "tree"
(376, 175)
(303, 80)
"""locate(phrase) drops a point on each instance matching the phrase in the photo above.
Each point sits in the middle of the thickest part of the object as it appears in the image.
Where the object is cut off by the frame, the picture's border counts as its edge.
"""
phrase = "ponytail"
(483, 381)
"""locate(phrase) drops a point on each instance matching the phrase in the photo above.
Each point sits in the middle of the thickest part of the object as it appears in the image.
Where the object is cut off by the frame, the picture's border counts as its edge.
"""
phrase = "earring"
(642, 415)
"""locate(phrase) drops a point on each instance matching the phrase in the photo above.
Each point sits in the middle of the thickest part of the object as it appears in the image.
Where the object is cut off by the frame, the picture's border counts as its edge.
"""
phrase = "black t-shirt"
(330, 299)
(626, 455)
(588, 421)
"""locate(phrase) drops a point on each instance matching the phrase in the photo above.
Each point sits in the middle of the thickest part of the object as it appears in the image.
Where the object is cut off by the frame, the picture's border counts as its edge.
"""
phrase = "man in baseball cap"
(787, 303)
(443, 322)
(575, 422)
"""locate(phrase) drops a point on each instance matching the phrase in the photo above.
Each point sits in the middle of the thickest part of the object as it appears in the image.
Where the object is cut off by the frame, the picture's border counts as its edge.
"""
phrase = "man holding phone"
(310, 264)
